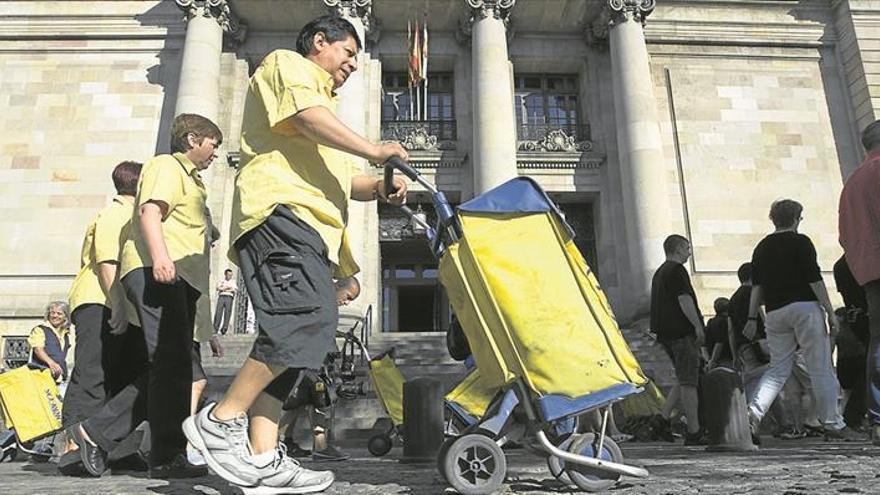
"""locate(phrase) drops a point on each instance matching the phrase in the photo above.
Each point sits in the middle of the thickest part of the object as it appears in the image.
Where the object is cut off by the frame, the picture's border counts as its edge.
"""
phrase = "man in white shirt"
(225, 295)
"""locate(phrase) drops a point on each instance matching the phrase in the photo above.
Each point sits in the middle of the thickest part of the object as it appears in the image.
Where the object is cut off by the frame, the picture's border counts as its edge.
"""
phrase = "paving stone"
(795, 467)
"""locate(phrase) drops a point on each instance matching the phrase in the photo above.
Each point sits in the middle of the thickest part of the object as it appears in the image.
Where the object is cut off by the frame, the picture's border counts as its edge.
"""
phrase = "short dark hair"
(784, 212)
(721, 305)
(335, 29)
(125, 177)
(228, 270)
(745, 272)
(190, 123)
(871, 136)
(673, 242)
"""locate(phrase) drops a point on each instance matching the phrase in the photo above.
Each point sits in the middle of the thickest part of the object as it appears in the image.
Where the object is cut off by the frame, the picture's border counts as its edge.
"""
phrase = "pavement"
(788, 468)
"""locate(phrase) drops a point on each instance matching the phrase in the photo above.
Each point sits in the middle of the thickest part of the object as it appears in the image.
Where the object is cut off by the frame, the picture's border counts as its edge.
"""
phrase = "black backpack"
(456, 342)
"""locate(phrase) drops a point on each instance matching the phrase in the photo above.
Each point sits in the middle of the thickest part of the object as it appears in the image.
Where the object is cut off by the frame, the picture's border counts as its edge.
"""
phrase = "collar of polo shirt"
(327, 78)
(188, 165)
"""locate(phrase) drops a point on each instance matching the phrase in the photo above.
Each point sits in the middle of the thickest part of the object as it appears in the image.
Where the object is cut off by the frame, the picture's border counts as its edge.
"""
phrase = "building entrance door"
(412, 298)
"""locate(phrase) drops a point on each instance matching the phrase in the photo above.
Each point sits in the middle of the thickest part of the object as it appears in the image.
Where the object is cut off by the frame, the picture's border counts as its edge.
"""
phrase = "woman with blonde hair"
(50, 341)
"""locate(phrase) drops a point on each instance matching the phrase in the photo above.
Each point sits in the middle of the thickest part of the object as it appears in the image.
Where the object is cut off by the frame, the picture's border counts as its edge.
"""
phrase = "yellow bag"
(473, 394)
(30, 402)
(531, 307)
(388, 382)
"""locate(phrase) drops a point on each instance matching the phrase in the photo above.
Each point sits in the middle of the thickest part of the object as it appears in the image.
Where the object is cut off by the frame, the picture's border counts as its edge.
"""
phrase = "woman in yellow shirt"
(163, 269)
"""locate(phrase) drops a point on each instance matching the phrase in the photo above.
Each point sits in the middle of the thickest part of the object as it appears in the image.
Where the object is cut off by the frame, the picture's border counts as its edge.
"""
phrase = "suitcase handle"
(397, 163)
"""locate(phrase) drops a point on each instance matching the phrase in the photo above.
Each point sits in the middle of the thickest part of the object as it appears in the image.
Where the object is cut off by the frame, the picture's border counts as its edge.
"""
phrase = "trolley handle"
(397, 163)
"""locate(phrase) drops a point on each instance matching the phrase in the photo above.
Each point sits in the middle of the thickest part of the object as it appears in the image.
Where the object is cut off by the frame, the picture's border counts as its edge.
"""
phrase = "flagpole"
(409, 83)
(425, 63)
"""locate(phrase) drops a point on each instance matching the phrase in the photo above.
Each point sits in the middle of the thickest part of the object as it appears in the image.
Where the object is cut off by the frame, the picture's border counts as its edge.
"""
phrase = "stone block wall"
(739, 134)
(82, 88)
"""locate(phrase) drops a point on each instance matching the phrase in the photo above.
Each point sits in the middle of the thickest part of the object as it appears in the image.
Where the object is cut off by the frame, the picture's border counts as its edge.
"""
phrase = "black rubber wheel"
(588, 478)
(379, 445)
(441, 455)
(475, 465)
(557, 465)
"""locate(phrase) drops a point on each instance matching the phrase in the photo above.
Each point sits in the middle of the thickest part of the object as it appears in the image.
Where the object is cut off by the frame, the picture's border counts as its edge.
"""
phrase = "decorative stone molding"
(419, 139)
(499, 9)
(556, 140)
(638, 10)
(531, 160)
(219, 10)
(361, 9)
(419, 136)
(614, 12)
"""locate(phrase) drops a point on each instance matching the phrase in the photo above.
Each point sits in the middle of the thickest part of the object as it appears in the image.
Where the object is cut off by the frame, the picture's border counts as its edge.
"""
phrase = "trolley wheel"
(475, 465)
(9, 453)
(588, 478)
(379, 445)
(557, 465)
(441, 455)
(40, 458)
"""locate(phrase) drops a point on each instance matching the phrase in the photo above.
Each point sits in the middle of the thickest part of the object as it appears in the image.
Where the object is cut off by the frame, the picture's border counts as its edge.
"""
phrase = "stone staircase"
(417, 354)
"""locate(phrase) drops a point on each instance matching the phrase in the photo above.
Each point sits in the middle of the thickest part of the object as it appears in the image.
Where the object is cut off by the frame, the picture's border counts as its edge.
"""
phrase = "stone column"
(494, 160)
(198, 90)
(639, 147)
(353, 110)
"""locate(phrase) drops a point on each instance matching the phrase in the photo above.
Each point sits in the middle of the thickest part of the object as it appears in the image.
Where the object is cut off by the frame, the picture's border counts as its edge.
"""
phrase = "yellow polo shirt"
(174, 180)
(280, 166)
(102, 243)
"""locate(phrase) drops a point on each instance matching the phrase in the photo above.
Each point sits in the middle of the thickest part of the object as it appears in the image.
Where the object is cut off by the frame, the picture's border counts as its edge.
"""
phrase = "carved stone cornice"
(483, 9)
(555, 141)
(499, 9)
(360, 9)
(614, 12)
(219, 10)
(638, 10)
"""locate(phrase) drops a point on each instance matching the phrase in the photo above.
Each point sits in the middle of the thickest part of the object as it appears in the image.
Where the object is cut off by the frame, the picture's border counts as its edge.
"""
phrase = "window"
(396, 97)
(543, 101)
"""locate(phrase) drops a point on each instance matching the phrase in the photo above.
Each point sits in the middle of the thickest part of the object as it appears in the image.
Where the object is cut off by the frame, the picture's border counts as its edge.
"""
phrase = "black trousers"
(167, 315)
(92, 378)
(222, 314)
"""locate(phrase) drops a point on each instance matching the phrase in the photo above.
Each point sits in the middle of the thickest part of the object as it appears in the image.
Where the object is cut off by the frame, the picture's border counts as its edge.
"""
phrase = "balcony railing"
(424, 135)
(553, 137)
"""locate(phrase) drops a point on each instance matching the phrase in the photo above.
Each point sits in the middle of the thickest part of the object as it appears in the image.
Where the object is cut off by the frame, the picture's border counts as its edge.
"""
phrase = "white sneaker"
(194, 456)
(224, 445)
(285, 475)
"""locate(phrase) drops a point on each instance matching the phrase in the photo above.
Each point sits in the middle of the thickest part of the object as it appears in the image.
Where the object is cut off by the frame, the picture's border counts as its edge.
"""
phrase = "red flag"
(415, 57)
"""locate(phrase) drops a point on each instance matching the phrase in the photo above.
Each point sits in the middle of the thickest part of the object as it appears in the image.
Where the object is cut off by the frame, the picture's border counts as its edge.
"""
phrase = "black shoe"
(692, 439)
(94, 459)
(295, 451)
(662, 428)
(70, 464)
(176, 468)
(331, 453)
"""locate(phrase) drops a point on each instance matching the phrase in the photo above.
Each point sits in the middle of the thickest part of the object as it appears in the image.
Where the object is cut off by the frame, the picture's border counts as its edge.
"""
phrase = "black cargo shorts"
(289, 281)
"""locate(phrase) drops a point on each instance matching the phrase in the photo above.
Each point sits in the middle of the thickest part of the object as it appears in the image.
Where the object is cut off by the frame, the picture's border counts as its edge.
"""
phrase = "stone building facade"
(639, 117)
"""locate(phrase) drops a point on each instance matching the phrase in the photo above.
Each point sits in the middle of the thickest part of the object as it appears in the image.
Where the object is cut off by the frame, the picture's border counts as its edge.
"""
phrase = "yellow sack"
(388, 382)
(30, 402)
(473, 394)
(531, 308)
(648, 403)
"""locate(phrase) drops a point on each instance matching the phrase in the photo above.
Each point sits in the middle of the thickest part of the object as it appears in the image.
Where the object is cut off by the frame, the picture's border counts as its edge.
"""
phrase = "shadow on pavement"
(206, 485)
